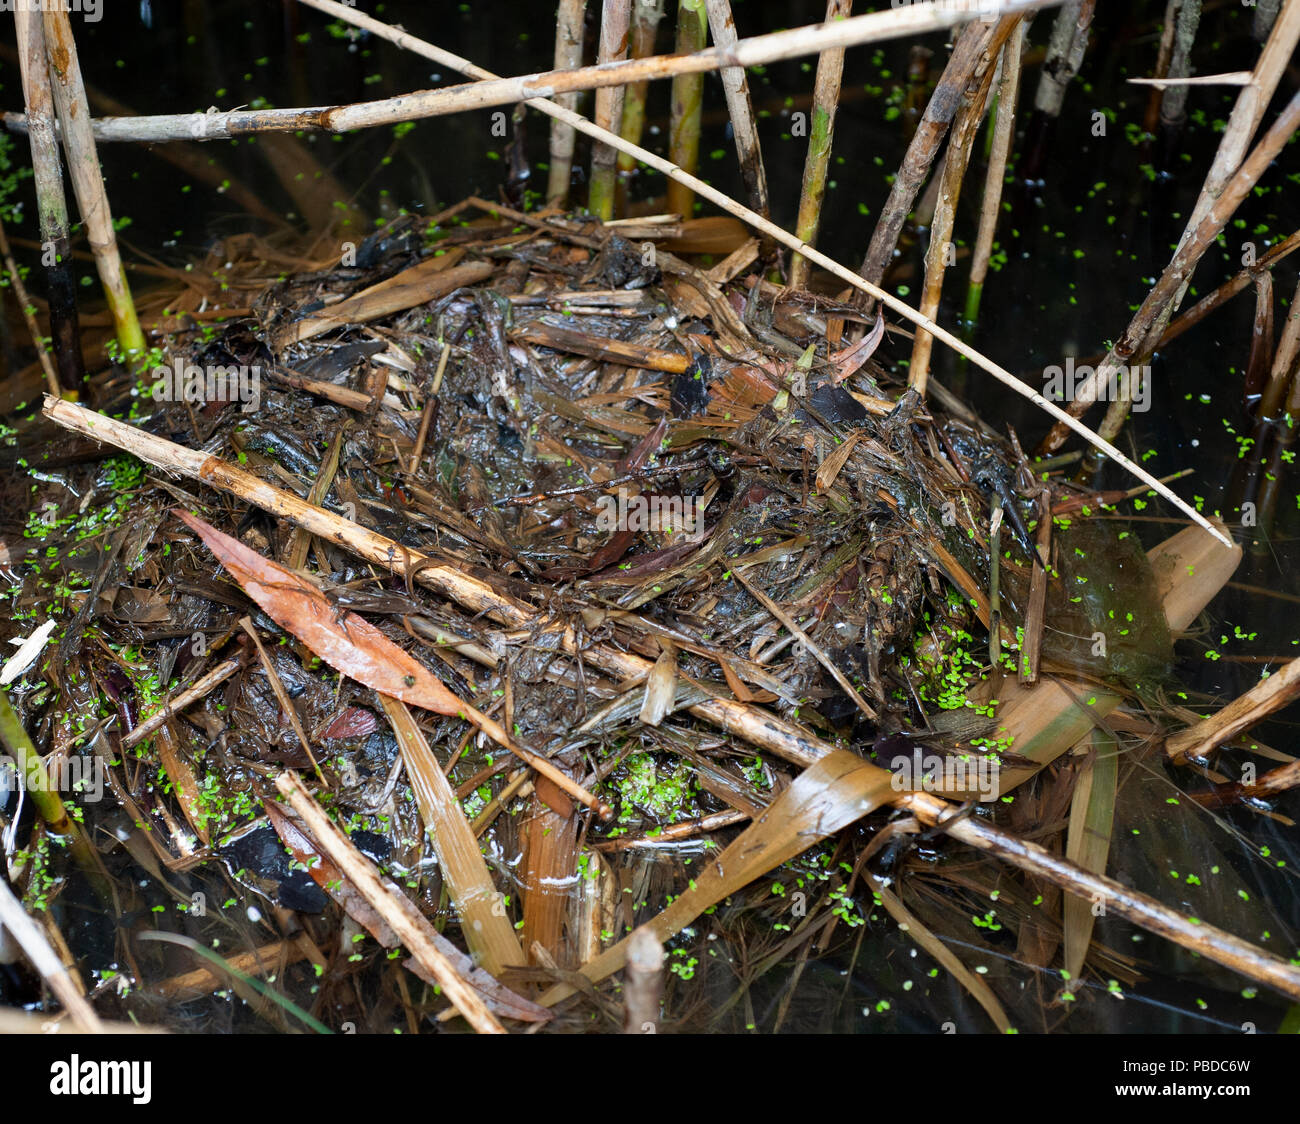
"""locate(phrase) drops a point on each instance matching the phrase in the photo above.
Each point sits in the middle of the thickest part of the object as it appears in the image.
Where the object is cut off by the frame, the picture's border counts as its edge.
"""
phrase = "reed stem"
(688, 98)
(646, 15)
(826, 97)
(51, 206)
(614, 21)
(83, 166)
(568, 56)
(735, 85)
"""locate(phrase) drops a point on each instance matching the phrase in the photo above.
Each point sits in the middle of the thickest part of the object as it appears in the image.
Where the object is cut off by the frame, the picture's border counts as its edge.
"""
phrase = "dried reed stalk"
(735, 85)
(1003, 132)
(1065, 51)
(614, 20)
(826, 97)
(921, 152)
(687, 107)
(568, 56)
(760, 50)
(941, 251)
(51, 206)
(83, 167)
(1148, 323)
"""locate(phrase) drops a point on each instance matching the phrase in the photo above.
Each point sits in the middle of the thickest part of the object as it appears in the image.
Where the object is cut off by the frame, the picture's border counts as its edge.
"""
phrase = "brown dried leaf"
(345, 641)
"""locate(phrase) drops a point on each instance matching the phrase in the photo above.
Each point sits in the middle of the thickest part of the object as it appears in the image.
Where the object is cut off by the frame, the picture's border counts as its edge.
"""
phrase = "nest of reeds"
(649, 517)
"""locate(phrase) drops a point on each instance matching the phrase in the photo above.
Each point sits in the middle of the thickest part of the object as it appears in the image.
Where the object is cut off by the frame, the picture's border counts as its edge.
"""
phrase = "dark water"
(1077, 252)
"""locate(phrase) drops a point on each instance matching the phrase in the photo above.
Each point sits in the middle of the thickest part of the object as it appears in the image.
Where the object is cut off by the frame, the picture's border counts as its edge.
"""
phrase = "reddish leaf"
(354, 722)
(345, 641)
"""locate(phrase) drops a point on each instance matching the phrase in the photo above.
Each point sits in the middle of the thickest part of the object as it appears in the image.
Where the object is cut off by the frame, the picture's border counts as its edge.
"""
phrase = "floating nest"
(671, 527)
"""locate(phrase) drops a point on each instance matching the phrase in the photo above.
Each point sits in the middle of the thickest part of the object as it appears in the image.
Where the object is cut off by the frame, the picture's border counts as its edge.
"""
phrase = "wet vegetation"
(460, 612)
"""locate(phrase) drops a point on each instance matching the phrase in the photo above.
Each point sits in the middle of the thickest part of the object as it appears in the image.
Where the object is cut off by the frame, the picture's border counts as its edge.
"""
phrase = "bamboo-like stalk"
(1173, 107)
(45, 796)
(821, 132)
(1065, 51)
(646, 15)
(961, 142)
(687, 107)
(1148, 323)
(83, 167)
(52, 208)
(614, 21)
(735, 85)
(922, 150)
(31, 770)
(568, 56)
(25, 307)
(1004, 131)
(917, 19)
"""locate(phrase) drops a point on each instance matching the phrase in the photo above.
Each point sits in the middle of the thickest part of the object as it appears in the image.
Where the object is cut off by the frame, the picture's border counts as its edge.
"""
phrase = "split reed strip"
(821, 133)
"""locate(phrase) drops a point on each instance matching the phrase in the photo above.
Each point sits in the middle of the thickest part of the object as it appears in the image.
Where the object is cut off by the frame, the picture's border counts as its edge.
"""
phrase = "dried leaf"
(345, 641)
(825, 797)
